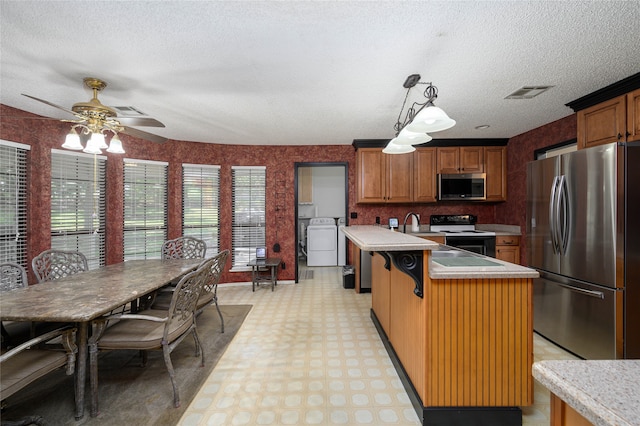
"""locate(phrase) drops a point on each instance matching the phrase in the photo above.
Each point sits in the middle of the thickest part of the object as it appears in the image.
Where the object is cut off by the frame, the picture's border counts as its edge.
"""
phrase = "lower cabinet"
(563, 415)
(508, 248)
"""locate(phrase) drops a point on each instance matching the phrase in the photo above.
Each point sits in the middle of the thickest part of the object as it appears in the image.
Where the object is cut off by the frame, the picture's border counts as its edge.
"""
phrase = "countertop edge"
(590, 408)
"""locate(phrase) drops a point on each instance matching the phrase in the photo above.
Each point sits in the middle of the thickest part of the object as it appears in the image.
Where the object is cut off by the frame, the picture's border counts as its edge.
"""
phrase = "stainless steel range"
(460, 231)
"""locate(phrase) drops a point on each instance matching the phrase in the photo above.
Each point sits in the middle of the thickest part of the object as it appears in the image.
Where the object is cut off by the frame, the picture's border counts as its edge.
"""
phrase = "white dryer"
(322, 242)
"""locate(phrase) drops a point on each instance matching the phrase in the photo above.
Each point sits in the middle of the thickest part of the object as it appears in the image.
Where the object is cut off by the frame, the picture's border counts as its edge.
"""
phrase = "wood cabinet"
(424, 178)
(508, 248)
(495, 167)
(615, 120)
(562, 414)
(383, 178)
(305, 185)
(463, 159)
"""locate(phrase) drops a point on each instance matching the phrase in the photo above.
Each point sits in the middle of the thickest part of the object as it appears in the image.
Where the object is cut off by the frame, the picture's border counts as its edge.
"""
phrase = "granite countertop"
(377, 238)
(603, 392)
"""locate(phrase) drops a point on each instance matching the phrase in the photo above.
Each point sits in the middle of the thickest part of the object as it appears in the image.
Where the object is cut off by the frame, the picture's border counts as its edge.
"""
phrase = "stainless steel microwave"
(466, 186)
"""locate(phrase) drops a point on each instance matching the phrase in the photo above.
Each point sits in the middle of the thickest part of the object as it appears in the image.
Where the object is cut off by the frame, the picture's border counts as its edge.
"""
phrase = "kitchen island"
(458, 327)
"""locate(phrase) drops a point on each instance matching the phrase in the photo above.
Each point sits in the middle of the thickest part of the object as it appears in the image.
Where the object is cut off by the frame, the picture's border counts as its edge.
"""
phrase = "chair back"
(12, 276)
(184, 248)
(215, 267)
(54, 264)
(184, 299)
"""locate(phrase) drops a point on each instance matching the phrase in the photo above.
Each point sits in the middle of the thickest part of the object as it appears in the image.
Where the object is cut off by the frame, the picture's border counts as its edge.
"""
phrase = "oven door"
(485, 245)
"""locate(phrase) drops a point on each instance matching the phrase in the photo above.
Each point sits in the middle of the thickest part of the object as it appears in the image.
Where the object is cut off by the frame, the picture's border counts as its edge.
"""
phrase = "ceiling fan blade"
(139, 121)
(143, 135)
(50, 104)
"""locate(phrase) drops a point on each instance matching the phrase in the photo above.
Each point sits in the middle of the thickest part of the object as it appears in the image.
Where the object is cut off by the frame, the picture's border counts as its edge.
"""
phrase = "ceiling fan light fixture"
(115, 146)
(101, 141)
(393, 148)
(72, 141)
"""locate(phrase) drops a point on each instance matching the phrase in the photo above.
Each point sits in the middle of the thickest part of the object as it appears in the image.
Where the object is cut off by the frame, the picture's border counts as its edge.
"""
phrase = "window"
(201, 204)
(248, 222)
(145, 208)
(13, 202)
(78, 204)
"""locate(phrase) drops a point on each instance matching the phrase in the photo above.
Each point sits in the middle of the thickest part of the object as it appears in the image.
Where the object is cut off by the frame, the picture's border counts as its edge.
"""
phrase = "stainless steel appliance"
(465, 186)
(583, 236)
(460, 231)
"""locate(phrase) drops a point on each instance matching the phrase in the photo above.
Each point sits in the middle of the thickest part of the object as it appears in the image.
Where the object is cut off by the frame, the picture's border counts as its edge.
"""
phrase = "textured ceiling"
(311, 72)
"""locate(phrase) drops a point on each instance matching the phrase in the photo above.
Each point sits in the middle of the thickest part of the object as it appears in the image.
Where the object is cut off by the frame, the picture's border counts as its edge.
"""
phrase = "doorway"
(321, 191)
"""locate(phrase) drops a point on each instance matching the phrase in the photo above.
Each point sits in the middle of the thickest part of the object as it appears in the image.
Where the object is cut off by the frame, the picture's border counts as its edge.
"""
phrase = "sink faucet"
(404, 225)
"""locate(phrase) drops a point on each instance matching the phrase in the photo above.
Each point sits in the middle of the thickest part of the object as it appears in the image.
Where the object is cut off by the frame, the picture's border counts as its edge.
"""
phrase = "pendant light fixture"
(419, 119)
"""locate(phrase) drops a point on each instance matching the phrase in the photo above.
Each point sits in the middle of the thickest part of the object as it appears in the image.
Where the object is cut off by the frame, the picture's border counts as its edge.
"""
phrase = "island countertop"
(380, 239)
(604, 392)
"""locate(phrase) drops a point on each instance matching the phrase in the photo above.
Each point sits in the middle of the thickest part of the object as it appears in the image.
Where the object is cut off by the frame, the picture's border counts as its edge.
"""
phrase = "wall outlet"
(354, 215)
(284, 265)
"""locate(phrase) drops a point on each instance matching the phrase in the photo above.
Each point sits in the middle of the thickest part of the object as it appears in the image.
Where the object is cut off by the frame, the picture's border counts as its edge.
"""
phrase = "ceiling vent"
(128, 111)
(528, 92)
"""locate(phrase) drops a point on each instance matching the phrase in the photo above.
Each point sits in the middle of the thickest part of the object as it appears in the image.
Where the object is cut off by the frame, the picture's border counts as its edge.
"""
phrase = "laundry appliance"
(322, 242)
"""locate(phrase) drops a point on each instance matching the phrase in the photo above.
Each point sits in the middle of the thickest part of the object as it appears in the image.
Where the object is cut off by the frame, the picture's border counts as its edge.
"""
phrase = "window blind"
(145, 208)
(201, 204)
(78, 204)
(13, 202)
(248, 221)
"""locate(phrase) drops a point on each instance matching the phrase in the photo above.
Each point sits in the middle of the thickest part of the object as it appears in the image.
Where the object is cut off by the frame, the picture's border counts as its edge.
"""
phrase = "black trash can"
(348, 276)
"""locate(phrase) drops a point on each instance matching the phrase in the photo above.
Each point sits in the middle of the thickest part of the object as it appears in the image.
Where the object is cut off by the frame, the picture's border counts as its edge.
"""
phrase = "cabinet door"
(380, 291)
(399, 178)
(448, 160)
(603, 123)
(509, 254)
(471, 159)
(424, 175)
(305, 185)
(371, 179)
(633, 116)
(495, 166)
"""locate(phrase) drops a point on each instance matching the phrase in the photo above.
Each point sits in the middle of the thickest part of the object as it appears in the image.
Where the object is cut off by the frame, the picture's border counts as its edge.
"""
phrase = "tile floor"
(308, 354)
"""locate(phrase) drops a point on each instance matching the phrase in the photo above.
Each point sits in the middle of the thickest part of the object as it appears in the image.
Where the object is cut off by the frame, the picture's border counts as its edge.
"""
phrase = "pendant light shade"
(430, 119)
(405, 137)
(94, 144)
(393, 148)
(72, 141)
(115, 146)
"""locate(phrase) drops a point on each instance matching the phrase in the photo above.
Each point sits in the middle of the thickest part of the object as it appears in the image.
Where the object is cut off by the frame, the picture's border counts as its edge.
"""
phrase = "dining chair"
(151, 329)
(54, 264)
(13, 276)
(184, 248)
(209, 293)
(31, 360)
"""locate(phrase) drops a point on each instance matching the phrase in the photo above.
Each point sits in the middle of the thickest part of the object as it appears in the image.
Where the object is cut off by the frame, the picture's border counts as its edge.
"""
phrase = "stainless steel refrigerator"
(583, 236)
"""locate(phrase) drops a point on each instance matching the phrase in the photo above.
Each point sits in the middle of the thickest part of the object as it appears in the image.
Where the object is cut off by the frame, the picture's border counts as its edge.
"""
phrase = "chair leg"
(166, 350)
(199, 350)
(220, 314)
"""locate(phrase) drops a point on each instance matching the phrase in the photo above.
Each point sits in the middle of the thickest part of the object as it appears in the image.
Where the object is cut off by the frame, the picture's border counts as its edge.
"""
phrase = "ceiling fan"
(93, 117)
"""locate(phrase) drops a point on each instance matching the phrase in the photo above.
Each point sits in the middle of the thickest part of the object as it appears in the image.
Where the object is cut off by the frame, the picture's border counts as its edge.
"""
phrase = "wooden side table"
(258, 268)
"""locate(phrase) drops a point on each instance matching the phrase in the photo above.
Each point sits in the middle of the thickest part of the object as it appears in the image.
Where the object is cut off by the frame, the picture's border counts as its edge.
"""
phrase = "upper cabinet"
(464, 159)
(383, 178)
(424, 178)
(411, 178)
(613, 120)
(495, 167)
(305, 185)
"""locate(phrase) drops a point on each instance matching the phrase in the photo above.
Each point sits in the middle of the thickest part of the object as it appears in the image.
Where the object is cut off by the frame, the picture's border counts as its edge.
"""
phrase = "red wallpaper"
(43, 135)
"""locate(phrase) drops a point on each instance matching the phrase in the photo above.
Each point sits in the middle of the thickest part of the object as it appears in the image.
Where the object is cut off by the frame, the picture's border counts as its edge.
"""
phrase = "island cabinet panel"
(380, 291)
(479, 342)
(407, 326)
(563, 415)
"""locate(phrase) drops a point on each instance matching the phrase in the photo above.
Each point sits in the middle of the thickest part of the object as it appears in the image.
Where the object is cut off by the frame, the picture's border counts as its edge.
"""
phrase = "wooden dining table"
(83, 297)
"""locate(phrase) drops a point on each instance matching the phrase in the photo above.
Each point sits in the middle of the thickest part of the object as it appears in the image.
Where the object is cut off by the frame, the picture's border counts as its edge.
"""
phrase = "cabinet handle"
(619, 136)
(628, 133)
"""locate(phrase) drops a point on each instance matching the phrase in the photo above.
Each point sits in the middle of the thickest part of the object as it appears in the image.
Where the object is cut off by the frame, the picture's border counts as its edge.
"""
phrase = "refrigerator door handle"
(552, 216)
(563, 210)
(591, 293)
